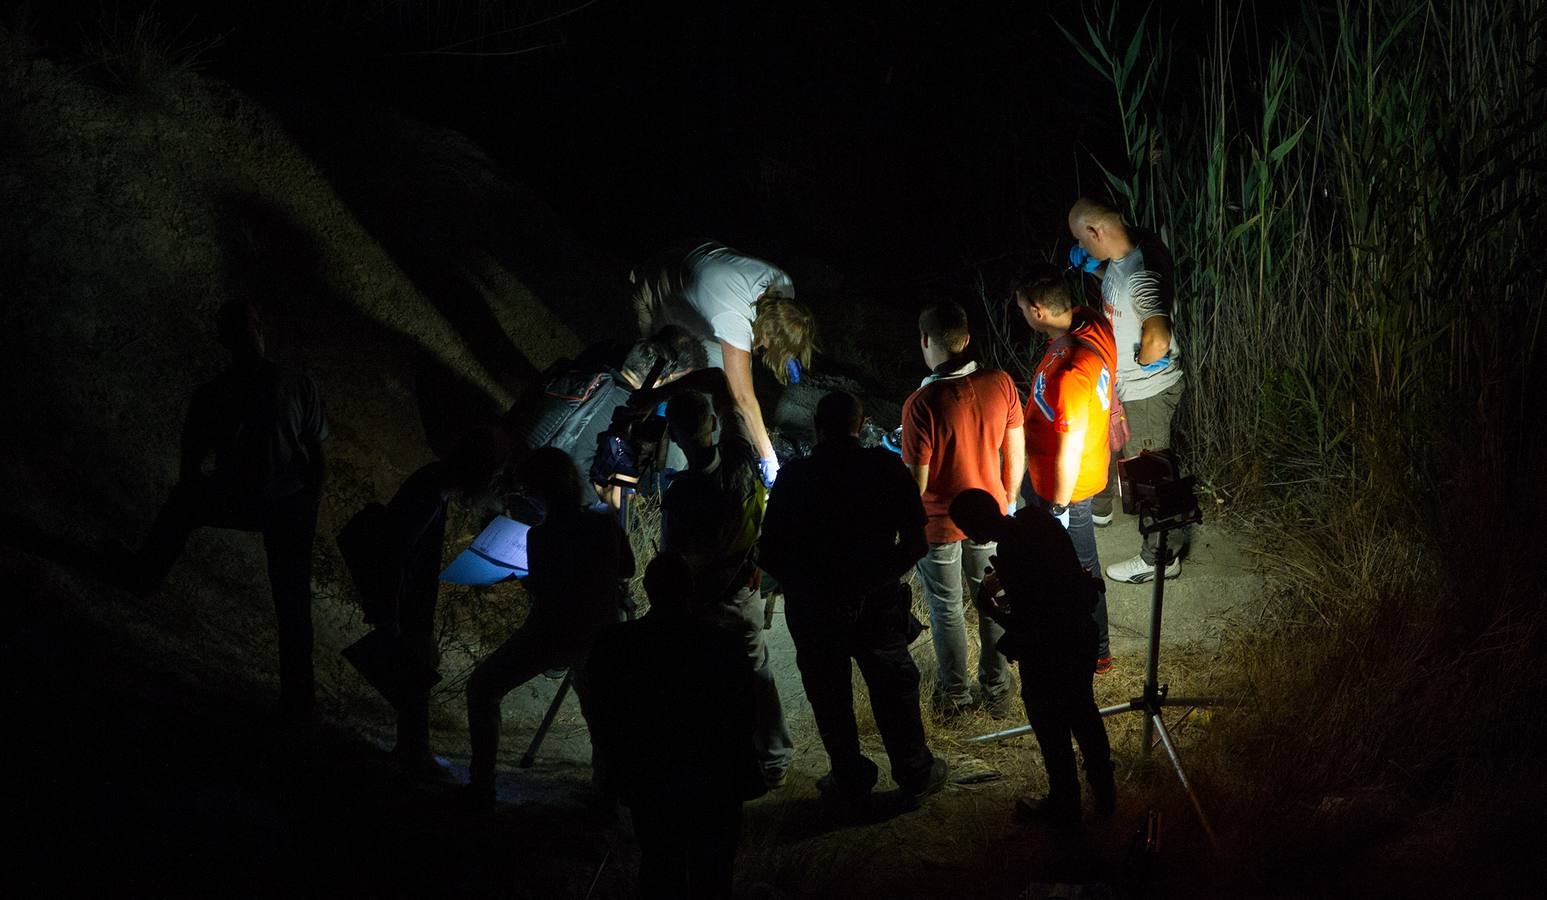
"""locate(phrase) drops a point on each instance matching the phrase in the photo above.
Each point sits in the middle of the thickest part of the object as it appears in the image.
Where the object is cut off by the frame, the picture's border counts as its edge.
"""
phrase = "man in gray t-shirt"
(1137, 292)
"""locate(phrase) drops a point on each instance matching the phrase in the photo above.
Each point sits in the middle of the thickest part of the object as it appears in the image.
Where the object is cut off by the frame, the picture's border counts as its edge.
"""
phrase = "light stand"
(1162, 509)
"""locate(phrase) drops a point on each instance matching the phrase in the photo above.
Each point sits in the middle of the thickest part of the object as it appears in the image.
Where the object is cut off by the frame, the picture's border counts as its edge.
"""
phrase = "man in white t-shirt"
(1137, 292)
(737, 305)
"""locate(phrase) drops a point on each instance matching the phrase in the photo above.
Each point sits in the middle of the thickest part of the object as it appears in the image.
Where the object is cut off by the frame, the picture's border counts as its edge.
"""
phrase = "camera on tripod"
(1152, 491)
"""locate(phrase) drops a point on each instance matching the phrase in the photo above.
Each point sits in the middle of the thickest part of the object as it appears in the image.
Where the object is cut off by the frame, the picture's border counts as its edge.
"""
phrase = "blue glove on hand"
(1081, 260)
(770, 470)
(792, 369)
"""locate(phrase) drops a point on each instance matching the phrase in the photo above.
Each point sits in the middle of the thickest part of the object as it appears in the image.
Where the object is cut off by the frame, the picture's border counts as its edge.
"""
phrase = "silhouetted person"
(712, 514)
(252, 460)
(1046, 613)
(844, 526)
(403, 652)
(576, 557)
(672, 708)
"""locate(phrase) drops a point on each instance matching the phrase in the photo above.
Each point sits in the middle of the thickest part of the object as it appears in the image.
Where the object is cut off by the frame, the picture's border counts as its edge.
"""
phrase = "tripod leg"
(542, 730)
(1176, 763)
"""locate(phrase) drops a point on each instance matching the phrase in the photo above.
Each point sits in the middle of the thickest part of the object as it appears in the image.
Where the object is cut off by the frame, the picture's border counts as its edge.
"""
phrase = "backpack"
(724, 522)
(570, 397)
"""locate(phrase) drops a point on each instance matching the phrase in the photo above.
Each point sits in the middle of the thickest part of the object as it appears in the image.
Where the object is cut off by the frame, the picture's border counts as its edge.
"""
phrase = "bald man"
(1137, 292)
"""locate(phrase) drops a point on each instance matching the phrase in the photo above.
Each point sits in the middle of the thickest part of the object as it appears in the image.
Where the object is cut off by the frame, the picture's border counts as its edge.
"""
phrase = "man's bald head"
(839, 414)
(1099, 229)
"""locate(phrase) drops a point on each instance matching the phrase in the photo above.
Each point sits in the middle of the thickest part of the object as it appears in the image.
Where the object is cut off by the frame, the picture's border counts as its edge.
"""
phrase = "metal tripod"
(1156, 695)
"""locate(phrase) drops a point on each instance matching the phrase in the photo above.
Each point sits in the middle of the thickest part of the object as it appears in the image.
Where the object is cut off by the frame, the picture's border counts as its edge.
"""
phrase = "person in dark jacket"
(682, 760)
(843, 527)
(401, 656)
(577, 557)
(1043, 598)
(252, 460)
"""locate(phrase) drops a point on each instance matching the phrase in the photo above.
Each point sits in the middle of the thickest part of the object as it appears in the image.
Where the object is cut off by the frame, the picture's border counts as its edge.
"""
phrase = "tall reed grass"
(1355, 208)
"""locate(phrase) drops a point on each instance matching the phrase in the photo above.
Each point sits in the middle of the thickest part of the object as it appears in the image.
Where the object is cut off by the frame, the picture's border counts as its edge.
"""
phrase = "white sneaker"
(1137, 571)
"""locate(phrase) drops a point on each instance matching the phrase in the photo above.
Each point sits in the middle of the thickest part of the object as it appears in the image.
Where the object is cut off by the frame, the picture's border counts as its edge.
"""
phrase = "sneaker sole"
(1101, 522)
(1147, 577)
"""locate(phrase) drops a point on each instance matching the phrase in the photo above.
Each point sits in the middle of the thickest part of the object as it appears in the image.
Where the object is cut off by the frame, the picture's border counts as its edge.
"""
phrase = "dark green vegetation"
(1356, 206)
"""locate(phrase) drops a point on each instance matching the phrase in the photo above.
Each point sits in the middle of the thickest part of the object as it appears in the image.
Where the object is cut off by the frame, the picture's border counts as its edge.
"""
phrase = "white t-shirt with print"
(1131, 293)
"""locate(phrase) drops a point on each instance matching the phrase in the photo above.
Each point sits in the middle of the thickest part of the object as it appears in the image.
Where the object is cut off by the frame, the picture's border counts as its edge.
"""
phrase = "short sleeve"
(1149, 294)
(1075, 390)
(733, 328)
(918, 432)
(1012, 399)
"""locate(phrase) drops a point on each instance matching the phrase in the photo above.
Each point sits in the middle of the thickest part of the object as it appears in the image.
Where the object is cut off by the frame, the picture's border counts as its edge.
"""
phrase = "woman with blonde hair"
(737, 305)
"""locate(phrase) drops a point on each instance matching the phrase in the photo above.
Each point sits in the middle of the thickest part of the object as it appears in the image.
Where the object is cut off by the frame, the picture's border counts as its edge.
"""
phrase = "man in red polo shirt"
(961, 429)
(1067, 419)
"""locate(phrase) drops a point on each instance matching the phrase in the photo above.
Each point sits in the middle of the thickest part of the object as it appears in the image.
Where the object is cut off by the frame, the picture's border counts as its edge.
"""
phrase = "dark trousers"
(1082, 531)
(288, 526)
(687, 845)
(525, 655)
(875, 633)
(1060, 703)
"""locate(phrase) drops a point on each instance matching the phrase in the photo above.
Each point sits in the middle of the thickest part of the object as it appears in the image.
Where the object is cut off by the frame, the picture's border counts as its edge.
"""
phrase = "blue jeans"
(1082, 531)
(942, 571)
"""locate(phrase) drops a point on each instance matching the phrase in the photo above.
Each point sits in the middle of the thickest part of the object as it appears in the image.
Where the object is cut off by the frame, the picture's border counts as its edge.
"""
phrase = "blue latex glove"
(792, 368)
(1081, 260)
(770, 470)
(892, 440)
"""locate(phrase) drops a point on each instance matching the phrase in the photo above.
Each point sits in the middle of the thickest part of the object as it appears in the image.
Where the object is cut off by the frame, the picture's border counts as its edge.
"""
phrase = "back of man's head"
(1089, 211)
(1042, 284)
(550, 475)
(977, 513)
(839, 414)
(478, 457)
(946, 324)
(682, 352)
(669, 583)
(690, 418)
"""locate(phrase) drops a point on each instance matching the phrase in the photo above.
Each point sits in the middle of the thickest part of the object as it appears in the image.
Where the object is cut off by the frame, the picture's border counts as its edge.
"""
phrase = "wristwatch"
(1057, 509)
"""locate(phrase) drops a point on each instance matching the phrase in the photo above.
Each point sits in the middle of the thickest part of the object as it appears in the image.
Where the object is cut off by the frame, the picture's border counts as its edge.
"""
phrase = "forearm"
(738, 375)
(1154, 340)
(1012, 461)
(1066, 470)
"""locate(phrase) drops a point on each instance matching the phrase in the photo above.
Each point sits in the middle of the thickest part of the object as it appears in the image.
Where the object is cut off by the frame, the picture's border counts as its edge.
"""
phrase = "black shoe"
(1000, 707)
(832, 788)
(935, 779)
(1062, 811)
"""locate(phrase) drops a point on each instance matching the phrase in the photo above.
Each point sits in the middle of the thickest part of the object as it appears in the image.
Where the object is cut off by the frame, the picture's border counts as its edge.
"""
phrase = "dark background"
(911, 140)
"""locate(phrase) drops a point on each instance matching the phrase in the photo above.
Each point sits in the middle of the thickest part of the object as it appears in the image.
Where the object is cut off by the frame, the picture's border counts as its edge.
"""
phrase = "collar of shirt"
(955, 367)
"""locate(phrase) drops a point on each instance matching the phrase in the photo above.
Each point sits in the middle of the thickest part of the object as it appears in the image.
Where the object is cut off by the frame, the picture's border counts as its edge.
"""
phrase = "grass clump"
(1360, 304)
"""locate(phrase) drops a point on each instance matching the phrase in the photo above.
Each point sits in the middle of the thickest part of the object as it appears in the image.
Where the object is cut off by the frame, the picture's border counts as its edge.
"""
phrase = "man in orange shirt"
(961, 429)
(1067, 418)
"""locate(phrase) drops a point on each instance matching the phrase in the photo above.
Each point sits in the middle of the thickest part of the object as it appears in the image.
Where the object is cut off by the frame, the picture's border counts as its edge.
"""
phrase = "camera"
(1152, 491)
(630, 438)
